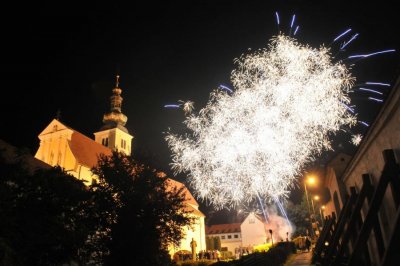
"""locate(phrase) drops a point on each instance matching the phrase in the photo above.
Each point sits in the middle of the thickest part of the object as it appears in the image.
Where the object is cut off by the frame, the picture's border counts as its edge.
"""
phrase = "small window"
(252, 220)
(229, 236)
(104, 142)
(222, 237)
(123, 144)
(236, 236)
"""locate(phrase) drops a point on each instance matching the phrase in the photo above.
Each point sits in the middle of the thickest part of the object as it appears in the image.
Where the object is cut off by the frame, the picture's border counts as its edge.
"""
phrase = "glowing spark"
(356, 139)
(297, 28)
(371, 54)
(364, 123)
(377, 83)
(347, 43)
(225, 88)
(293, 18)
(287, 99)
(370, 90)
(277, 17)
(375, 99)
(188, 107)
(172, 106)
(341, 35)
(349, 108)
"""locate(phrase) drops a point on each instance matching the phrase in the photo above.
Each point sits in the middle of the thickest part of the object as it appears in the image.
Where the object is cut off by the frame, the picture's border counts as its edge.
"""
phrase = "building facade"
(78, 154)
(367, 167)
(251, 232)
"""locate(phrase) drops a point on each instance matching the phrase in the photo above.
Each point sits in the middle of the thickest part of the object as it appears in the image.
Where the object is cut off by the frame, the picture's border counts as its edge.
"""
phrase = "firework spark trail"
(287, 98)
(172, 106)
(370, 90)
(341, 35)
(280, 206)
(277, 18)
(297, 28)
(372, 54)
(266, 215)
(375, 99)
(348, 42)
(377, 83)
(225, 88)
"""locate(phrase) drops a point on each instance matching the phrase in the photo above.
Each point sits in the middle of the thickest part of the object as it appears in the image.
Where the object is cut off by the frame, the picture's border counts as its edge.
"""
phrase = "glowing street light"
(321, 210)
(316, 198)
(311, 180)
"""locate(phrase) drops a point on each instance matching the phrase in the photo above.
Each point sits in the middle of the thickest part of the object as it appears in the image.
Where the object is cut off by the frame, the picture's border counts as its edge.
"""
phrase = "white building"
(251, 232)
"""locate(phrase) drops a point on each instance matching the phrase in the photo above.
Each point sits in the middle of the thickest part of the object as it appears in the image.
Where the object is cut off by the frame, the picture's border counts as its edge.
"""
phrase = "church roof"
(189, 197)
(223, 228)
(86, 150)
(193, 210)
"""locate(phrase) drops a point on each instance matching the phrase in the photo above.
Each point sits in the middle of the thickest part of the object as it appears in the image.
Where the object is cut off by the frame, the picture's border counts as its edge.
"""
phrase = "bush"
(196, 263)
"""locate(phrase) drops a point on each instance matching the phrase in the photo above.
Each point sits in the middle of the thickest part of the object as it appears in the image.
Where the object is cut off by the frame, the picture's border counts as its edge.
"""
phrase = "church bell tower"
(113, 133)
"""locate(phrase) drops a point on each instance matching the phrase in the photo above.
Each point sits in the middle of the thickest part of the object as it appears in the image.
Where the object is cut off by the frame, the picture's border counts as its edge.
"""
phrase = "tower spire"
(117, 81)
(115, 118)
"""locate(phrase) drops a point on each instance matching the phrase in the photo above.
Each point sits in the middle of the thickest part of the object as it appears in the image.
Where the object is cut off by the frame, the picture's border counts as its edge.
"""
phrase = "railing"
(348, 237)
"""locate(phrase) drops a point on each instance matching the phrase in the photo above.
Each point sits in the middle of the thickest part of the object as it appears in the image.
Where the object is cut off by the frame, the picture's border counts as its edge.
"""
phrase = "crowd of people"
(202, 255)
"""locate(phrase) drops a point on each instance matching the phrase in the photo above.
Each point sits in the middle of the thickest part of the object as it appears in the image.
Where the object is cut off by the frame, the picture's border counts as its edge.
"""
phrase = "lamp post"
(321, 210)
(316, 198)
(272, 240)
(310, 180)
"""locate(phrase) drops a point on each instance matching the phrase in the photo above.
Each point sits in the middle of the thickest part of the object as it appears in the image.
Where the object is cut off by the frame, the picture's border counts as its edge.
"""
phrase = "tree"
(140, 213)
(43, 217)
(299, 216)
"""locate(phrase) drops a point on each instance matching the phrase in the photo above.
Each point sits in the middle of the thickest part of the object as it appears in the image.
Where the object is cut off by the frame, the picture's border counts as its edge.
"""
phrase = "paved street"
(299, 259)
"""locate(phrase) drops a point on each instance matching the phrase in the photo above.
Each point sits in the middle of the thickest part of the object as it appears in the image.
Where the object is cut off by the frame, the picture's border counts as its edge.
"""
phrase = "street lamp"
(311, 180)
(316, 198)
(321, 210)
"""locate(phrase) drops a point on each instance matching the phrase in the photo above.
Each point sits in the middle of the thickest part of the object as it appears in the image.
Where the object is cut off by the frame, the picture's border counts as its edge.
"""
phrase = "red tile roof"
(194, 211)
(86, 150)
(223, 228)
(189, 197)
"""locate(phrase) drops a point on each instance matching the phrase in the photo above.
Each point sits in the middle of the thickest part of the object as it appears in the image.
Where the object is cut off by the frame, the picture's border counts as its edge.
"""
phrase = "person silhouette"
(308, 244)
(193, 245)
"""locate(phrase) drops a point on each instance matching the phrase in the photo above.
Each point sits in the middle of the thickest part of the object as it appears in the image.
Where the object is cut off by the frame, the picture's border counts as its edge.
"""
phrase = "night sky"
(65, 57)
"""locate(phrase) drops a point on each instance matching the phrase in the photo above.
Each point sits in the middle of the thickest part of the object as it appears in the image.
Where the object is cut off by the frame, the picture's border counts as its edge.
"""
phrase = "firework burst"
(252, 142)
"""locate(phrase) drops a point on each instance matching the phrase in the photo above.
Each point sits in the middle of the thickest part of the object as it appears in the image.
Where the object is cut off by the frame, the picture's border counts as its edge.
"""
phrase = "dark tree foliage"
(299, 216)
(43, 216)
(140, 214)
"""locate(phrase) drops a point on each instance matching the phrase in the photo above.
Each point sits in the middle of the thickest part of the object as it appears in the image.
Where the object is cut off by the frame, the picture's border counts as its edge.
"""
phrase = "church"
(77, 154)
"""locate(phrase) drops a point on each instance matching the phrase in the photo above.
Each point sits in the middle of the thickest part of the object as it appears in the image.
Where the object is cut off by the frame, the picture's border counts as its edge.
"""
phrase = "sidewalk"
(299, 259)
